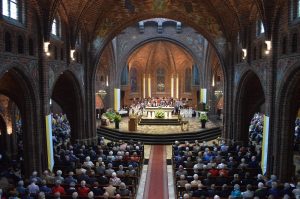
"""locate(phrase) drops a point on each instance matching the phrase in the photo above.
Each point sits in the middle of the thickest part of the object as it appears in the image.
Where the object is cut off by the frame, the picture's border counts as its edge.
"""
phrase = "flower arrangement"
(117, 118)
(203, 117)
(159, 114)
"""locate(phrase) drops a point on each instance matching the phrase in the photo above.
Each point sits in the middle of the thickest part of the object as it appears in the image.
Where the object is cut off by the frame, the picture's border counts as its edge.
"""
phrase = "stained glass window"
(160, 75)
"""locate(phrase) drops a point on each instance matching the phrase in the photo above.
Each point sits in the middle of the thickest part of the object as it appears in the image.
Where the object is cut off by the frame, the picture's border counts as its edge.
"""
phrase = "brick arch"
(288, 104)
(115, 31)
(15, 84)
(67, 93)
(124, 59)
(249, 99)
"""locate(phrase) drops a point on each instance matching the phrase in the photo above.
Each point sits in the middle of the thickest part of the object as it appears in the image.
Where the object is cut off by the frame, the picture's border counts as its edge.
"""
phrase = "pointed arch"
(250, 99)
(67, 93)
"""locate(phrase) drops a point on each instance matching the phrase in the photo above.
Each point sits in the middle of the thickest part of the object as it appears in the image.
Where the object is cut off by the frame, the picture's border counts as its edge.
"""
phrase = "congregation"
(225, 171)
(102, 170)
(256, 128)
(61, 130)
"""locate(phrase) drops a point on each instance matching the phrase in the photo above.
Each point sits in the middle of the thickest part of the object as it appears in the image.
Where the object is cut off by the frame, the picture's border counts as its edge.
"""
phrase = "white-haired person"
(196, 181)
(114, 180)
(261, 191)
(59, 176)
(88, 163)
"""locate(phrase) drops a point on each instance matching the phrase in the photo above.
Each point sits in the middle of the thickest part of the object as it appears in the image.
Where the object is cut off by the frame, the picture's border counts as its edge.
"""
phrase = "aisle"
(157, 177)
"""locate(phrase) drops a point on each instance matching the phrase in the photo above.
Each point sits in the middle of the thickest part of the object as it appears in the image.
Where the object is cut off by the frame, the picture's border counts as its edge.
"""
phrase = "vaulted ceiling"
(158, 54)
(212, 18)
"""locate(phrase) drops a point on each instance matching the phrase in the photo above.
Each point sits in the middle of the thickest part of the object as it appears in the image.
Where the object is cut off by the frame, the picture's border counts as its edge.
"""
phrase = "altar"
(150, 111)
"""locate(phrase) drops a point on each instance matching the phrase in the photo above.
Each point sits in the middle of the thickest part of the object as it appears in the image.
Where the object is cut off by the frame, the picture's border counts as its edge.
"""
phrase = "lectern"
(132, 124)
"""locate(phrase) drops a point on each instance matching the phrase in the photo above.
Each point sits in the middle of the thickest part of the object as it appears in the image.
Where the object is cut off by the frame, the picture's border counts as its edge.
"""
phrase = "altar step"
(201, 135)
(156, 121)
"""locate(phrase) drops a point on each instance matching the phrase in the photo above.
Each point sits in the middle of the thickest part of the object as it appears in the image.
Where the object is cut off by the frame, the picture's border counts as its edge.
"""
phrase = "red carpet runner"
(157, 177)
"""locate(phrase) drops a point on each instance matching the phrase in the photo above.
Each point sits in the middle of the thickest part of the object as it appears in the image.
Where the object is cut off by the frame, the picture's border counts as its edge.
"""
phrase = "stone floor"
(194, 125)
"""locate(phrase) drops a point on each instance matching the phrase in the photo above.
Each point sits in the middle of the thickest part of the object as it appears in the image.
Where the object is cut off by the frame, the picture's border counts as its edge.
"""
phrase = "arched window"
(7, 42)
(133, 80)
(260, 29)
(30, 47)
(124, 77)
(160, 76)
(283, 46)
(11, 9)
(55, 30)
(188, 80)
(294, 43)
(20, 45)
(196, 79)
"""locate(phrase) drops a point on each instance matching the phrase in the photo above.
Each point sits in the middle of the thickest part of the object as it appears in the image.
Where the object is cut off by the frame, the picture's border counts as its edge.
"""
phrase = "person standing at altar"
(177, 107)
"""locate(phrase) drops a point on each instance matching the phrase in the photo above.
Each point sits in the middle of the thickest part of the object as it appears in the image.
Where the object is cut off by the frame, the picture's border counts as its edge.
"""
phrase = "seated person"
(200, 192)
(83, 190)
(97, 190)
(123, 191)
(114, 180)
(181, 171)
(196, 181)
(110, 190)
(182, 181)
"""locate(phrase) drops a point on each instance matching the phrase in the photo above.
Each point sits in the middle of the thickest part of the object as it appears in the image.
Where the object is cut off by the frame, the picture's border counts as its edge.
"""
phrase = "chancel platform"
(162, 133)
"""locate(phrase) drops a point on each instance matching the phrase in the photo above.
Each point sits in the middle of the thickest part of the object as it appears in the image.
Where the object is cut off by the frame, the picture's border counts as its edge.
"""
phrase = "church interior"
(149, 99)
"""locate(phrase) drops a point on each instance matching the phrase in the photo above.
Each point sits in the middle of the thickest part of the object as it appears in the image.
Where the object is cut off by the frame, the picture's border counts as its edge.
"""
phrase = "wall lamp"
(46, 48)
(269, 46)
(72, 54)
(244, 53)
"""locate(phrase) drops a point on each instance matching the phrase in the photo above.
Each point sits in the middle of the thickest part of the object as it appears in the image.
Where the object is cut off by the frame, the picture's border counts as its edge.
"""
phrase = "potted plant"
(110, 115)
(203, 119)
(117, 120)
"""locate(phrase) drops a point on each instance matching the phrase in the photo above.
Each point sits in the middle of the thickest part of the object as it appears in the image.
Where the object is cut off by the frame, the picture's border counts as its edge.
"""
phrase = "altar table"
(151, 111)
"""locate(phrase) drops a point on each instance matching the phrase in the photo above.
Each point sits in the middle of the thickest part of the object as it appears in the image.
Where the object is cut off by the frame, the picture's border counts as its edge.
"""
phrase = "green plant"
(110, 115)
(117, 118)
(159, 114)
(203, 117)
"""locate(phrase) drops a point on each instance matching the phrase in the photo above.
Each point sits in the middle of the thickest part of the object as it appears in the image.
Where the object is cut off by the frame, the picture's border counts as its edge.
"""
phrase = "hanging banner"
(265, 143)
(117, 99)
(203, 93)
(49, 142)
